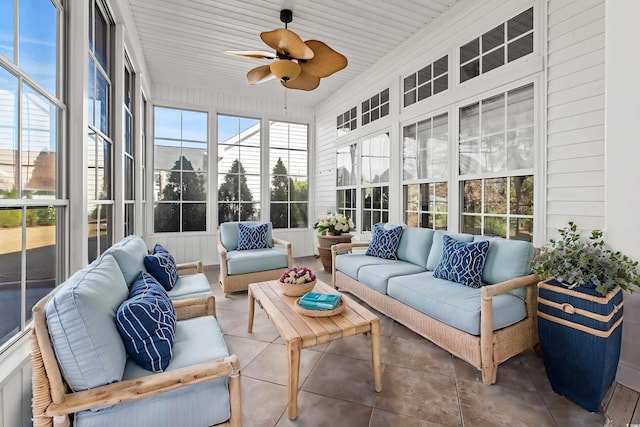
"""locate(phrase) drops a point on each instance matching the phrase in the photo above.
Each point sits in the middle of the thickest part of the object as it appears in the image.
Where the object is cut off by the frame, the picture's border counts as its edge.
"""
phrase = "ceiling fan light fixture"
(285, 70)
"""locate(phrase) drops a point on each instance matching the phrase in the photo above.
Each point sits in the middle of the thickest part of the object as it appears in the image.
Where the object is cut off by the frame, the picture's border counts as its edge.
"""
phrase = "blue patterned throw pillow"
(253, 236)
(159, 248)
(146, 322)
(384, 241)
(462, 262)
(162, 266)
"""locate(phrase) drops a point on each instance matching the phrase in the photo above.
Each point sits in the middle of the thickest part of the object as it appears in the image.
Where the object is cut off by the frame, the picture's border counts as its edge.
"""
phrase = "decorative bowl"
(296, 289)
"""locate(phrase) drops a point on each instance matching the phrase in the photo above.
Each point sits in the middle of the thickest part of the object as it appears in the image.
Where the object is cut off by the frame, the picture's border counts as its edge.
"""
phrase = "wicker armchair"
(264, 264)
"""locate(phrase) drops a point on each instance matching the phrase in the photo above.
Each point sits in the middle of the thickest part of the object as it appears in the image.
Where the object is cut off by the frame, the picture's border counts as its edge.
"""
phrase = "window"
(425, 172)
(143, 166)
(99, 141)
(430, 80)
(32, 202)
(375, 180)
(496, 165)
(505, 43)
(180, 170)
(346, 122)
(129, 153)
(238, 169)
(375, 107)
(346, 197)
(288, 159)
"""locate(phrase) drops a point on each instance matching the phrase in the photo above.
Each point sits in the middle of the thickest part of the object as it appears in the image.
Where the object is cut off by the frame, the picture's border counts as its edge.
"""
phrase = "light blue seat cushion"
(415, 244)
(452, 303)
(190, 286)
(253, 260)
(130, 253)
(197, 340)
(377, 276)
(81, 320)
(435, 254)
(349, 264)
(229, 232)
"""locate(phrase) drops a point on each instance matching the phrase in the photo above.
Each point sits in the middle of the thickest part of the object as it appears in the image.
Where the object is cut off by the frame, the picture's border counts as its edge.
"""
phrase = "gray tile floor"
(422, 385)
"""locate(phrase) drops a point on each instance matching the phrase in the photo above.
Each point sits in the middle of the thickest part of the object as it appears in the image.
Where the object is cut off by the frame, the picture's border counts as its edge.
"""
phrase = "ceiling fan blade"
(251, 54)
(304, 81)
(259, 75)
(325, 61)
(287, 43)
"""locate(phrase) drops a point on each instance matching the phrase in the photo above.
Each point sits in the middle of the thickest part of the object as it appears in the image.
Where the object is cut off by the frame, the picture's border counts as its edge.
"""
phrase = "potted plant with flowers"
(580, 305)
(296, 281)
(332, 229)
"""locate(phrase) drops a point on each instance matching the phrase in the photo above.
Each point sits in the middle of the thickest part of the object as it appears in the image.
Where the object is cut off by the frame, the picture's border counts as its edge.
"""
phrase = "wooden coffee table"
(299, 331)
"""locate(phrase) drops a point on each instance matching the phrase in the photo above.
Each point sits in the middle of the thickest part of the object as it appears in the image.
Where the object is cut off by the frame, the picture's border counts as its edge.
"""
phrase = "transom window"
(428, 81)
(375, 107)
(347, 122)
(288, 159)
(425, 172)
(180, 170)
(503, 44)
(496, 165)
(238, 169)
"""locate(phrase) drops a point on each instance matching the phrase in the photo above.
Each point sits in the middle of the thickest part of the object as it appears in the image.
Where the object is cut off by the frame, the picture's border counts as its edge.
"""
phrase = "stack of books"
(319, 301)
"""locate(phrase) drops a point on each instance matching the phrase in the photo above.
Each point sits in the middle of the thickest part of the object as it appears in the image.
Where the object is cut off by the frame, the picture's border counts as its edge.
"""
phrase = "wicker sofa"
(82, 373)
(483, 326)
(238, 268)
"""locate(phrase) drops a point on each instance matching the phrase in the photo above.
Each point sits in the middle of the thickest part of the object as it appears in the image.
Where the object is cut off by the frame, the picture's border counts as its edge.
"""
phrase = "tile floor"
(422, 385)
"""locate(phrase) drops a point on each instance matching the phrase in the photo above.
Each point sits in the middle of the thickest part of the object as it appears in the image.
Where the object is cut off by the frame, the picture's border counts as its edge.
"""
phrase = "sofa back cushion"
(435, 254)
(146, 321)
(81, 320)
(506, 259)
(229, 234)
(129, 253)
(415, 244)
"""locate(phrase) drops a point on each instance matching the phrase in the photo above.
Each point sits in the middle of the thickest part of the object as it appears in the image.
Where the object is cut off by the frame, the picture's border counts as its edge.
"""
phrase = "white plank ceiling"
(183, 40)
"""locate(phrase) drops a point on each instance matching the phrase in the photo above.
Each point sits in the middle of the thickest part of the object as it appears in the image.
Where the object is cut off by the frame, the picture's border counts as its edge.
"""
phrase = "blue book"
(319, 301)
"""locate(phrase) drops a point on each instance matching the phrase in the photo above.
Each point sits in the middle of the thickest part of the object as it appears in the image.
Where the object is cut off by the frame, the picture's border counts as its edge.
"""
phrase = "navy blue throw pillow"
(253, 236)
(162, 266)
(462, 262)
(384, 241)
(146, 322)
(159, 248)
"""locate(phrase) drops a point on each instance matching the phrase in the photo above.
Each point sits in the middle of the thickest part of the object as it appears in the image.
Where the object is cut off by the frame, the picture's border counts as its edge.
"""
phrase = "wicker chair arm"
(287, 247)
(183, 268)
(139, 388)
(195, 307)
(341, 247)
(490, 291)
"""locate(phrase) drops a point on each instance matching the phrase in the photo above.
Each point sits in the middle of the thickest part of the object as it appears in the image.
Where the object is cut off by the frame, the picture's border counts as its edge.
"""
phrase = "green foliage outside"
(281, 186)
(182, 187)
(231, 192)
(12, 217)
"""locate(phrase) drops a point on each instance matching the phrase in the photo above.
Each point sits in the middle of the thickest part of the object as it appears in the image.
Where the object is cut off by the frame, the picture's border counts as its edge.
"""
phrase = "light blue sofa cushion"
(349, 264)
(229, 232)
(190, 286)
(197, 340)
(415, 244)
(130, 253)
(81, 320)
(506, 259)
(452, 303)
(377, 276)
(252, 260)
(435, 255)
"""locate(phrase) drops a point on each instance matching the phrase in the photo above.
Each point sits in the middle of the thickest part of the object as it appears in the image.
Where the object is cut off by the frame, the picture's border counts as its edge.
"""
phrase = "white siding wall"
(575, 114)
(15, 385)
(203, 246)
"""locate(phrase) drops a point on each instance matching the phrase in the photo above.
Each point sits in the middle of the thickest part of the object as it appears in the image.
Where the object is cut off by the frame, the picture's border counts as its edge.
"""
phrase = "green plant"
(578, 262)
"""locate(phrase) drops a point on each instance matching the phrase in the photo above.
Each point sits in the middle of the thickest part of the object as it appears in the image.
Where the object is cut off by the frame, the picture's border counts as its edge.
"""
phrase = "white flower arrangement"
(335, 224)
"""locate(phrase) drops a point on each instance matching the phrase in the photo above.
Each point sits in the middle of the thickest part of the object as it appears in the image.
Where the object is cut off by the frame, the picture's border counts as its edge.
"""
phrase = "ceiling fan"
(297, 64)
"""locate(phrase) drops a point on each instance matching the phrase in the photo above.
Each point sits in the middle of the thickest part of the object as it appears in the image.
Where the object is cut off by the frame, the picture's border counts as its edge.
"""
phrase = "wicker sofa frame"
(240, 282)
(53, 401)
(486, 351)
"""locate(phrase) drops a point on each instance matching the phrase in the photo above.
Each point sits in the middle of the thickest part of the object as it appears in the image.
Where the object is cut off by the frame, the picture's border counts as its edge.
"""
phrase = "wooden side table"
(299, 331)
